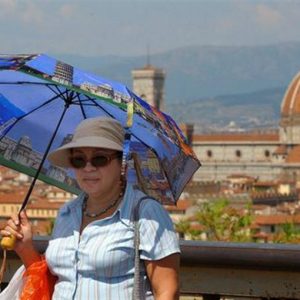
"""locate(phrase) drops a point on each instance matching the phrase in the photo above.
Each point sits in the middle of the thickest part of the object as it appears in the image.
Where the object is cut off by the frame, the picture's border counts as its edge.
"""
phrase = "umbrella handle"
(8, 242)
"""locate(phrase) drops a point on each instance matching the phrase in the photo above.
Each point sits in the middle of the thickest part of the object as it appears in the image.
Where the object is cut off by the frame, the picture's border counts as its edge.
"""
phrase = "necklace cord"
(101, 212)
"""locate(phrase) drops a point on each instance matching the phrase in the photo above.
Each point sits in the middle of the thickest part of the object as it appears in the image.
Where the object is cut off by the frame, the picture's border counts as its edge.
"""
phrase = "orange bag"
(38, 282)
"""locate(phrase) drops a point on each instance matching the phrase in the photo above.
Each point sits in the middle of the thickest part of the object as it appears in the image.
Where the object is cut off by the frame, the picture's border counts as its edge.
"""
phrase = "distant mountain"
(206, 71)
(260, 109)
(197, 75)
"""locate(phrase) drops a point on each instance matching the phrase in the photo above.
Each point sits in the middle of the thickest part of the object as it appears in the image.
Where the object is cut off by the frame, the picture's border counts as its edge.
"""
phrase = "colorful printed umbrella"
(42, 100)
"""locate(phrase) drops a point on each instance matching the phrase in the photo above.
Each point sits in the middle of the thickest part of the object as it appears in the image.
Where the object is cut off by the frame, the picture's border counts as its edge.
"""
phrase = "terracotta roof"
(294, 155)
(15, 197)
(259, 206)
(265, 183)
(236, 137)
(276, 219)
(281, 150)
(236, 175)
(34, 202)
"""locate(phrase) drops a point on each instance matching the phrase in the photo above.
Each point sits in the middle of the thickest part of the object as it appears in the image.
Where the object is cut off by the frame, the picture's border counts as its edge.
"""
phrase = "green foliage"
(218, 221)
(51, 226)
(288, 233)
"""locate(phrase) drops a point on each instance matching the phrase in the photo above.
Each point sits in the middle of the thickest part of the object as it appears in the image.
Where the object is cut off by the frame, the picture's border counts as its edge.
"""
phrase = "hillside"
(196, 75)
(205, 71)
(260, 109)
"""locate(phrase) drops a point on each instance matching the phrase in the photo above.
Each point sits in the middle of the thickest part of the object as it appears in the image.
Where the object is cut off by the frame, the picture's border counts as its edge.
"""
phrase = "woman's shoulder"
(138, 198)
(136, 203)
(71, 204)
(147, 206)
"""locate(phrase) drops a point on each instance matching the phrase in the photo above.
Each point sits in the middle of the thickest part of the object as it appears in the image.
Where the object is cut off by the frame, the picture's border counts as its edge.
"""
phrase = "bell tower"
(148, 83)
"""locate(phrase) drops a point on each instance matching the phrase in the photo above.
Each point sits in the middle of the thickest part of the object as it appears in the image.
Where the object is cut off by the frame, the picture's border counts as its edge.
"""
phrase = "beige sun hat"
(100, 132)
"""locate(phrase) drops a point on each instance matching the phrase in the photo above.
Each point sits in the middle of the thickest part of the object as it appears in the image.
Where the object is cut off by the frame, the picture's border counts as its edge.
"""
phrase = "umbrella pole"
(8, 243)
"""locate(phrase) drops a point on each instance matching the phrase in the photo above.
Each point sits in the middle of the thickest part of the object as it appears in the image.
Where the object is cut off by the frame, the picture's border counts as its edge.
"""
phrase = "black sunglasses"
(100, 160)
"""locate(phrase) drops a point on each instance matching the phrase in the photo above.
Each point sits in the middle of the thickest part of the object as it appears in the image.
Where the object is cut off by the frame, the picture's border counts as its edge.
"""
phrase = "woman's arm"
(20, 227)
(164, 277)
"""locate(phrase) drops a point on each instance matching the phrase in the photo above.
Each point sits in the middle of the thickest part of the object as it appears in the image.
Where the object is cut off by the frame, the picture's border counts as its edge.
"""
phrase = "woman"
(92, 248)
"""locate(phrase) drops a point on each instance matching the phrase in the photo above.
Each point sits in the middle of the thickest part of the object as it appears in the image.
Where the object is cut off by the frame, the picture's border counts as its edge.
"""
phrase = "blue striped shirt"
(99, 262)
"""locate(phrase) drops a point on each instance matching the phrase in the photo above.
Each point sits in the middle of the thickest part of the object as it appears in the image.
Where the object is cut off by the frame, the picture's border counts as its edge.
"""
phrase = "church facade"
(273, 155)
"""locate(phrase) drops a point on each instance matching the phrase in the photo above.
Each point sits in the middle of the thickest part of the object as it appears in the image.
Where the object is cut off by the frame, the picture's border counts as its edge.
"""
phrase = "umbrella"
(42, 100)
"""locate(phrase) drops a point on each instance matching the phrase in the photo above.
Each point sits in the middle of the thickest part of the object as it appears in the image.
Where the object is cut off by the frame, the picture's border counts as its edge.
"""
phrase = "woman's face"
(97, 181)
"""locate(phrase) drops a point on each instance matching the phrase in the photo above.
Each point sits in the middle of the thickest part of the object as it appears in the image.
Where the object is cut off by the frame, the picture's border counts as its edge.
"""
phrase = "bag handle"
(137, 278)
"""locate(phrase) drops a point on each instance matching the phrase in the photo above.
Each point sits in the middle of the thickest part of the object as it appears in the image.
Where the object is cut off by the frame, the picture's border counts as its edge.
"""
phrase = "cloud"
(7, 7)
(267, 15)
(20, 12)
(67, 10)
(32, 14)
(125, 27)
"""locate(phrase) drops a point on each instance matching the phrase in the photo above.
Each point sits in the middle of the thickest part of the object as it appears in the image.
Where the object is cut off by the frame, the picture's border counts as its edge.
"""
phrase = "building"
(271, 155)
(148, 83)
(63, 73)
(43, 204)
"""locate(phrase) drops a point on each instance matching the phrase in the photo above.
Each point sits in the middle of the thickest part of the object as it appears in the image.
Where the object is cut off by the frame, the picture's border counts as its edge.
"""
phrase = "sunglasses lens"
(100, 161)
(77, 162)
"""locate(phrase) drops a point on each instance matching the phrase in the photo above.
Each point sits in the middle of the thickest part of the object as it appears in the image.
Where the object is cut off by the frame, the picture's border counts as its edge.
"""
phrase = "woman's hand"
(21, 228)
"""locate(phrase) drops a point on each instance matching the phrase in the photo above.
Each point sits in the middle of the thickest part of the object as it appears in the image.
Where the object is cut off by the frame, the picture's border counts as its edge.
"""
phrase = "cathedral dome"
(290, 107)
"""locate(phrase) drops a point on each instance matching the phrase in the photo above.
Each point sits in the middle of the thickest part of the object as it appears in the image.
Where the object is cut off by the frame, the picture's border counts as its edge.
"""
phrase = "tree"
(288, 233)
(50, 226)
(219, 222)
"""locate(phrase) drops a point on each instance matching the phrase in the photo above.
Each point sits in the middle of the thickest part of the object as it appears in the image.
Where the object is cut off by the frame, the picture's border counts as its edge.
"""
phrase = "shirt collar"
(73, 204)
(125, 209)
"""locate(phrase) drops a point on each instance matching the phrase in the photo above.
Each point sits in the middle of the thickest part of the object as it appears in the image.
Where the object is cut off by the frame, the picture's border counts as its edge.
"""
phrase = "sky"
(135, 27)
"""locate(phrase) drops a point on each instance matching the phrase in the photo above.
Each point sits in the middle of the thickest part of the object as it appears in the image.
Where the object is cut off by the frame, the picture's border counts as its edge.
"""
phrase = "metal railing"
(250, 270)
(217, 270)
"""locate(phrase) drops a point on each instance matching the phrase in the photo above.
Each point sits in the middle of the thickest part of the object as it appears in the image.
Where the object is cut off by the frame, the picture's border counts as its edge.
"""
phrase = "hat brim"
(60, 156)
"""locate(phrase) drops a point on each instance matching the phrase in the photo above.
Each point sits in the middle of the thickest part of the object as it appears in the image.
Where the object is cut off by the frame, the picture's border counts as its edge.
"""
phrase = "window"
(209, 153)
(238, 153)
(272, 228)
(267, 153)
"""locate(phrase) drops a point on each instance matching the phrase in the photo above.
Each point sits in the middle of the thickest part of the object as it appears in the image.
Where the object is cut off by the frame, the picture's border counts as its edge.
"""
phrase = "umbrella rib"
(30, 112)
(49, 85)
(57, 91)
(27, 82)
(81, 106)
(93, 100)
(44, 158)
(70, 97)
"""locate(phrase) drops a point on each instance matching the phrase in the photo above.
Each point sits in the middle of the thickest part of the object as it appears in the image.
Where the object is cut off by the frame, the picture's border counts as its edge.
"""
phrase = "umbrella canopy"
(42, 100)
